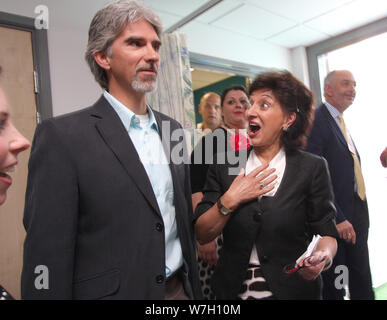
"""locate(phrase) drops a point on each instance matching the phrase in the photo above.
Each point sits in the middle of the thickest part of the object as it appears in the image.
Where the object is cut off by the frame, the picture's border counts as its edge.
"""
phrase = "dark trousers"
(176, 286)
(355, 258)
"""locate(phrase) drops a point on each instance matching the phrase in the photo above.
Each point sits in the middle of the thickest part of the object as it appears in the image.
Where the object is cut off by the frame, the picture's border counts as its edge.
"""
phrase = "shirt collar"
(275, 162)
(127, 116)
(332, 110)
(280, 156)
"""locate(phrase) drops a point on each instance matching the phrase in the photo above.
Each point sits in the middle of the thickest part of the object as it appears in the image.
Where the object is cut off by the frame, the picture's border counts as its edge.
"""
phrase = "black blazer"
(327, 140)
(280, 226)
(91, 215)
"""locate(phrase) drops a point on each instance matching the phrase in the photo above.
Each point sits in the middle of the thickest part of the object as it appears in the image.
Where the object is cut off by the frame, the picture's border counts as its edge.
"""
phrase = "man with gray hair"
(330, 139)
(106, 215)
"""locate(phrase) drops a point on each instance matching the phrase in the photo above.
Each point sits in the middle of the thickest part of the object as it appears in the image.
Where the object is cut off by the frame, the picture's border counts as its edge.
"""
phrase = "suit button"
(264, 259)
(159, 227)
(257, 216)
(159, 279)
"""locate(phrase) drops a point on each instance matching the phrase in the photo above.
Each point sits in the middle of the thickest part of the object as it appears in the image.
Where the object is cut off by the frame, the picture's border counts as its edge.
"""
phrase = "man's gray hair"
(328, 80)
(107, 25)
(329, 77)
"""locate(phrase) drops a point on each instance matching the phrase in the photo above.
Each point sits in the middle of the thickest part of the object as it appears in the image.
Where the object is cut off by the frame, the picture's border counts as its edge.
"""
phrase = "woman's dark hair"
(235, 87)
(293, 96)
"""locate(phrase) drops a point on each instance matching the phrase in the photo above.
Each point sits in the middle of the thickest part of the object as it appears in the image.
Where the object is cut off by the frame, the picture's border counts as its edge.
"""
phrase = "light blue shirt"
(144, 133)
(334, 113)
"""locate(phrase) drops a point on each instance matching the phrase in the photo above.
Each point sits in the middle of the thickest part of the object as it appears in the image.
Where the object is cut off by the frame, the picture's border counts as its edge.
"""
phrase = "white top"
(279, 164)
(144, 119)
(144, 133)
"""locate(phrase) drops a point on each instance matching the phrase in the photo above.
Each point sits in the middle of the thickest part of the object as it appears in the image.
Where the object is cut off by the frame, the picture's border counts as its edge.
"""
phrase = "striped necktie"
(356, 163)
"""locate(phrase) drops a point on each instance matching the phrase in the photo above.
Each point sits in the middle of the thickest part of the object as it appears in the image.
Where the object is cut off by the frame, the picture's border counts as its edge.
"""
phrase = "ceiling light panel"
(253, 21)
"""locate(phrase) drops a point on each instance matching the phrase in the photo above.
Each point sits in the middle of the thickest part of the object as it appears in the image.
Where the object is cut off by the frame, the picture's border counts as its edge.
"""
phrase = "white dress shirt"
(279, 164)
(144, 133)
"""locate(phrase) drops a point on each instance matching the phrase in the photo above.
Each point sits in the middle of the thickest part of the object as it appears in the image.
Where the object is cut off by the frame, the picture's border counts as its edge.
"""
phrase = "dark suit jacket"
(327, 140)
(91, 215)
(280, 226)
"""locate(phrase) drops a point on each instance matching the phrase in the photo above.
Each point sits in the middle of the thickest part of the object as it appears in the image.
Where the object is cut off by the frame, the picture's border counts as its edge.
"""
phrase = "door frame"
(202, 61)
(40, 60)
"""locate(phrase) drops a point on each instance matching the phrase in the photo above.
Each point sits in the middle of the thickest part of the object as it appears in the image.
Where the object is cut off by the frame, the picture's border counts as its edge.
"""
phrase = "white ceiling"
(284, 23)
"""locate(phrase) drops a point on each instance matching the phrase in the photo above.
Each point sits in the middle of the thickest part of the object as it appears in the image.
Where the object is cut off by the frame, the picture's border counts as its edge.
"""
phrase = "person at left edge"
(105, 213)
(12, 143)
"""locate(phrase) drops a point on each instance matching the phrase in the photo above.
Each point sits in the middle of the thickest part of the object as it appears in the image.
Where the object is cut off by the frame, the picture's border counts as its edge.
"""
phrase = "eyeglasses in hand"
(310, 261)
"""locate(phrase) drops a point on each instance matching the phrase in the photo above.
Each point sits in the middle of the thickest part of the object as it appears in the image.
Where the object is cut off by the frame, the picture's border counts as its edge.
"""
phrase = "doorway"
(204, 81)
(215, 74)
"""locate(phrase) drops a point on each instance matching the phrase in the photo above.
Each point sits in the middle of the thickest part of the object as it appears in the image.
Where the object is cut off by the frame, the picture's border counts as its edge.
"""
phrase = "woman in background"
(234, 102)
(270, 211)
(11, 144)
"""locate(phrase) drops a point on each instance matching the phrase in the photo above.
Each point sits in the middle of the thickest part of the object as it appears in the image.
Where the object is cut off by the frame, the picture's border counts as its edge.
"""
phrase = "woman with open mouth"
(11, 144)
(269, 213)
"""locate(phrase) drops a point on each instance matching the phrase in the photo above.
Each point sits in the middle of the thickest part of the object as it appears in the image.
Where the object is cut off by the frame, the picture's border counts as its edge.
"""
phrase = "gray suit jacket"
(91, 215)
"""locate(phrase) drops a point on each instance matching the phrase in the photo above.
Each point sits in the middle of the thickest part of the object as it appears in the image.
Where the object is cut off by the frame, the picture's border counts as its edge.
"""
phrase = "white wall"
(72, 84)
(219, 43)
(300, 64)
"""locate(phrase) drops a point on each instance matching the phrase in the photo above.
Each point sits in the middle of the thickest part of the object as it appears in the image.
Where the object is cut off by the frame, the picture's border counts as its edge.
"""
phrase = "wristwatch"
(223, 210)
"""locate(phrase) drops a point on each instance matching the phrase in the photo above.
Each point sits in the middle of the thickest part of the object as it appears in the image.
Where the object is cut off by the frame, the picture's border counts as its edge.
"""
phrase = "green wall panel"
(217, 87)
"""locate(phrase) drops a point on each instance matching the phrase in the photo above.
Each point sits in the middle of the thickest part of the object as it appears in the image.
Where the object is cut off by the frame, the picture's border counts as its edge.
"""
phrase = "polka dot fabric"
(206, 271)
(4, 295)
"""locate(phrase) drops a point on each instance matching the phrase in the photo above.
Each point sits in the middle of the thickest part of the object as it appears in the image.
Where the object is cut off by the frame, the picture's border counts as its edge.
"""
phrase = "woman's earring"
(285, 129)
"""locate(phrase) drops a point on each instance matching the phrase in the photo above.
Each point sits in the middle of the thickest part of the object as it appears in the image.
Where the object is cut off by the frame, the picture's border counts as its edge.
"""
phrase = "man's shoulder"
(321, 117)
(308, 156)
(71, 116)
(307, 159)
(72, 122)
(81, 112)
(163, 117)
(320, 111)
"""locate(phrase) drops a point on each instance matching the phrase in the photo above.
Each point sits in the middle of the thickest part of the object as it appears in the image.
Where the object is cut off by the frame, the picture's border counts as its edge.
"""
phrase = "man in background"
(106, 215)
(209, 109)
(331, 139)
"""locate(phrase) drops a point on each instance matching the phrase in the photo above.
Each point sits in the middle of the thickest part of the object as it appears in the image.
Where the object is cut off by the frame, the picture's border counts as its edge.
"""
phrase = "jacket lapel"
(168, 145)
(291, 171)
(116, 137)
(335, 128)
(337, 131)
(166, 140)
